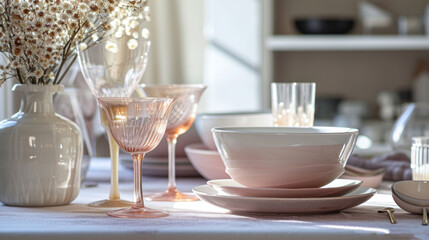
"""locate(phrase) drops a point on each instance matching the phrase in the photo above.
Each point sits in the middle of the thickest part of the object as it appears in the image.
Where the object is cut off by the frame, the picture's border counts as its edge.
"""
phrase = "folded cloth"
(396, 165)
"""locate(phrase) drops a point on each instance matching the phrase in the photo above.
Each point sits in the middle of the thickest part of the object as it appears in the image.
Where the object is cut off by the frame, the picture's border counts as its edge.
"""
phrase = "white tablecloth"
(198, 220)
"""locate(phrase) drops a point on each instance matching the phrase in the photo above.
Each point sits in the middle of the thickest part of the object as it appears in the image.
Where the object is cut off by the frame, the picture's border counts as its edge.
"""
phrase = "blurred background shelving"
(346, 43)
(352, 67)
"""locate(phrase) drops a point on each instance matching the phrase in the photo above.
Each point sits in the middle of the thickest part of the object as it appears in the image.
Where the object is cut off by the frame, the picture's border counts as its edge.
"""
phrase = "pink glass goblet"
(181, 118)
(137, 125)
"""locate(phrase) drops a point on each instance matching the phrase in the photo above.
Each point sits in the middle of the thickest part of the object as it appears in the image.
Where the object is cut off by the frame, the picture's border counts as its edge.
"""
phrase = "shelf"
(346, 43)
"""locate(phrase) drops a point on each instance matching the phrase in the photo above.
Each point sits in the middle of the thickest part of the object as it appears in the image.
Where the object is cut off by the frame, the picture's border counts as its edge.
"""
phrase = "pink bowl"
(294, 177)
(310, 169)
(287, 179)
(205, 122)
(207, 162)
(296, 155)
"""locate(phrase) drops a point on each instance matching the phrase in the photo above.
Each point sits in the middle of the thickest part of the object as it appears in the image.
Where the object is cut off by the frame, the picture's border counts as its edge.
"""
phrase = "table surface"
(198, 220)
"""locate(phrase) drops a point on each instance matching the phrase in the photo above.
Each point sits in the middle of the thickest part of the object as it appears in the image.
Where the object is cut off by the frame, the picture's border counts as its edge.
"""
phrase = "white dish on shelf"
(283, 205)
(338, 187)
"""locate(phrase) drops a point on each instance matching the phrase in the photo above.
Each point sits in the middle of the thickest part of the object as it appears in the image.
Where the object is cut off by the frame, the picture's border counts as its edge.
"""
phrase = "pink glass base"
(134, 212)
(172, 195)
(114, 203)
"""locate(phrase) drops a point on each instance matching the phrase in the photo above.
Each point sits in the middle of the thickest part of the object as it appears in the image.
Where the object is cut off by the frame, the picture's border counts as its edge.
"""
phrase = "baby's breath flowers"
(37, 37)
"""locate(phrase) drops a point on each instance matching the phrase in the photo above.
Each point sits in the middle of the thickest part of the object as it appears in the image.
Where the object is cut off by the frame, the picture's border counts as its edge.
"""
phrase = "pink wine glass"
(137, 125)
(181, 118)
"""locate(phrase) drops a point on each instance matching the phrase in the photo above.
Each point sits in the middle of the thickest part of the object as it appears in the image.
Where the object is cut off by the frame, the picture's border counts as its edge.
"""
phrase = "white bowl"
(205, 122)
(412, 192)
(406, 206)
(281, 149)
(207, 162)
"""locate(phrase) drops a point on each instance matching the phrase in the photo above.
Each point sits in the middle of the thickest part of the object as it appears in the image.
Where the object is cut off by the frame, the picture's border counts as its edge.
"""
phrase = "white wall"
(177, 42)
(232, 67)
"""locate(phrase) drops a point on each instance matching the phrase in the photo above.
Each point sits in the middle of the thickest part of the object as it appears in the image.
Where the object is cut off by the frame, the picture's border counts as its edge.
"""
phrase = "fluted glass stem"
(138, 191)
(172, 163)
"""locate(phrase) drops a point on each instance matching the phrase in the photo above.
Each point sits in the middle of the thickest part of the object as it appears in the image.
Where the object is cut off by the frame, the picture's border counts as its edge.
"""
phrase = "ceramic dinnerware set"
(291, 170)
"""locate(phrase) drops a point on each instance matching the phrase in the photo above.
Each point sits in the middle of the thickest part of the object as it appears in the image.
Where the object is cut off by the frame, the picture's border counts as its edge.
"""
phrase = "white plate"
(283, 205)
(338, 187)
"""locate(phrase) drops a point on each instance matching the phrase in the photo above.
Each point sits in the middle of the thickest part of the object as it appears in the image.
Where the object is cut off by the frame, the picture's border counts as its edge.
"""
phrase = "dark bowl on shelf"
(324, 25)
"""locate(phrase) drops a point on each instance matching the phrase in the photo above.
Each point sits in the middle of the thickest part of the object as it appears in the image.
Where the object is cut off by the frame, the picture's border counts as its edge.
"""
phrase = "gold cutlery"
(425, 217)
(390, 212)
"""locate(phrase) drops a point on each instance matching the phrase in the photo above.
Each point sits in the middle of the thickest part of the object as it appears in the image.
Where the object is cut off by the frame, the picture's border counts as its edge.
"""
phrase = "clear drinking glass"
(79, 105)
(112, 68)
(413, 122)
(420, 158)
(293, 104)
(137, 125)
(181, 118)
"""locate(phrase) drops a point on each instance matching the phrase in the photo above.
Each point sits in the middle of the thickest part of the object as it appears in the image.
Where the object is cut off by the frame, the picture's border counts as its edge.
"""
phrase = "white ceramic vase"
(40, 152)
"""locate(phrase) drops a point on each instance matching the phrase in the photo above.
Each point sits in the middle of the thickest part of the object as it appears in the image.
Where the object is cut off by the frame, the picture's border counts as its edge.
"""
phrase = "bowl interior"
(286, 130)
(413, 192)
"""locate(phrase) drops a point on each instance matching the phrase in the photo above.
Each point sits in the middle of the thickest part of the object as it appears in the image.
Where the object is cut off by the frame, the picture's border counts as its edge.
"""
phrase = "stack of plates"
(338, 195)
(158, 166)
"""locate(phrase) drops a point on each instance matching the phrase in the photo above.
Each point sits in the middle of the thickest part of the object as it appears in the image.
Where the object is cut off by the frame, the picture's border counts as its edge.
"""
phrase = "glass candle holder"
(420, 158)
(293, 104)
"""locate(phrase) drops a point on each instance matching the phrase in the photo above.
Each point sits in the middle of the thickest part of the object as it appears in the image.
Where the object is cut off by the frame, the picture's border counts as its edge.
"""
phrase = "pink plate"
(367, 181)
(283, 205)
(338, 187)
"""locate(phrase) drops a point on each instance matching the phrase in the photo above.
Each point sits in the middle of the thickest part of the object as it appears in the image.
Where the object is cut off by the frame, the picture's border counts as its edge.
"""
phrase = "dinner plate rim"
(319, 192)
(371, 192)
